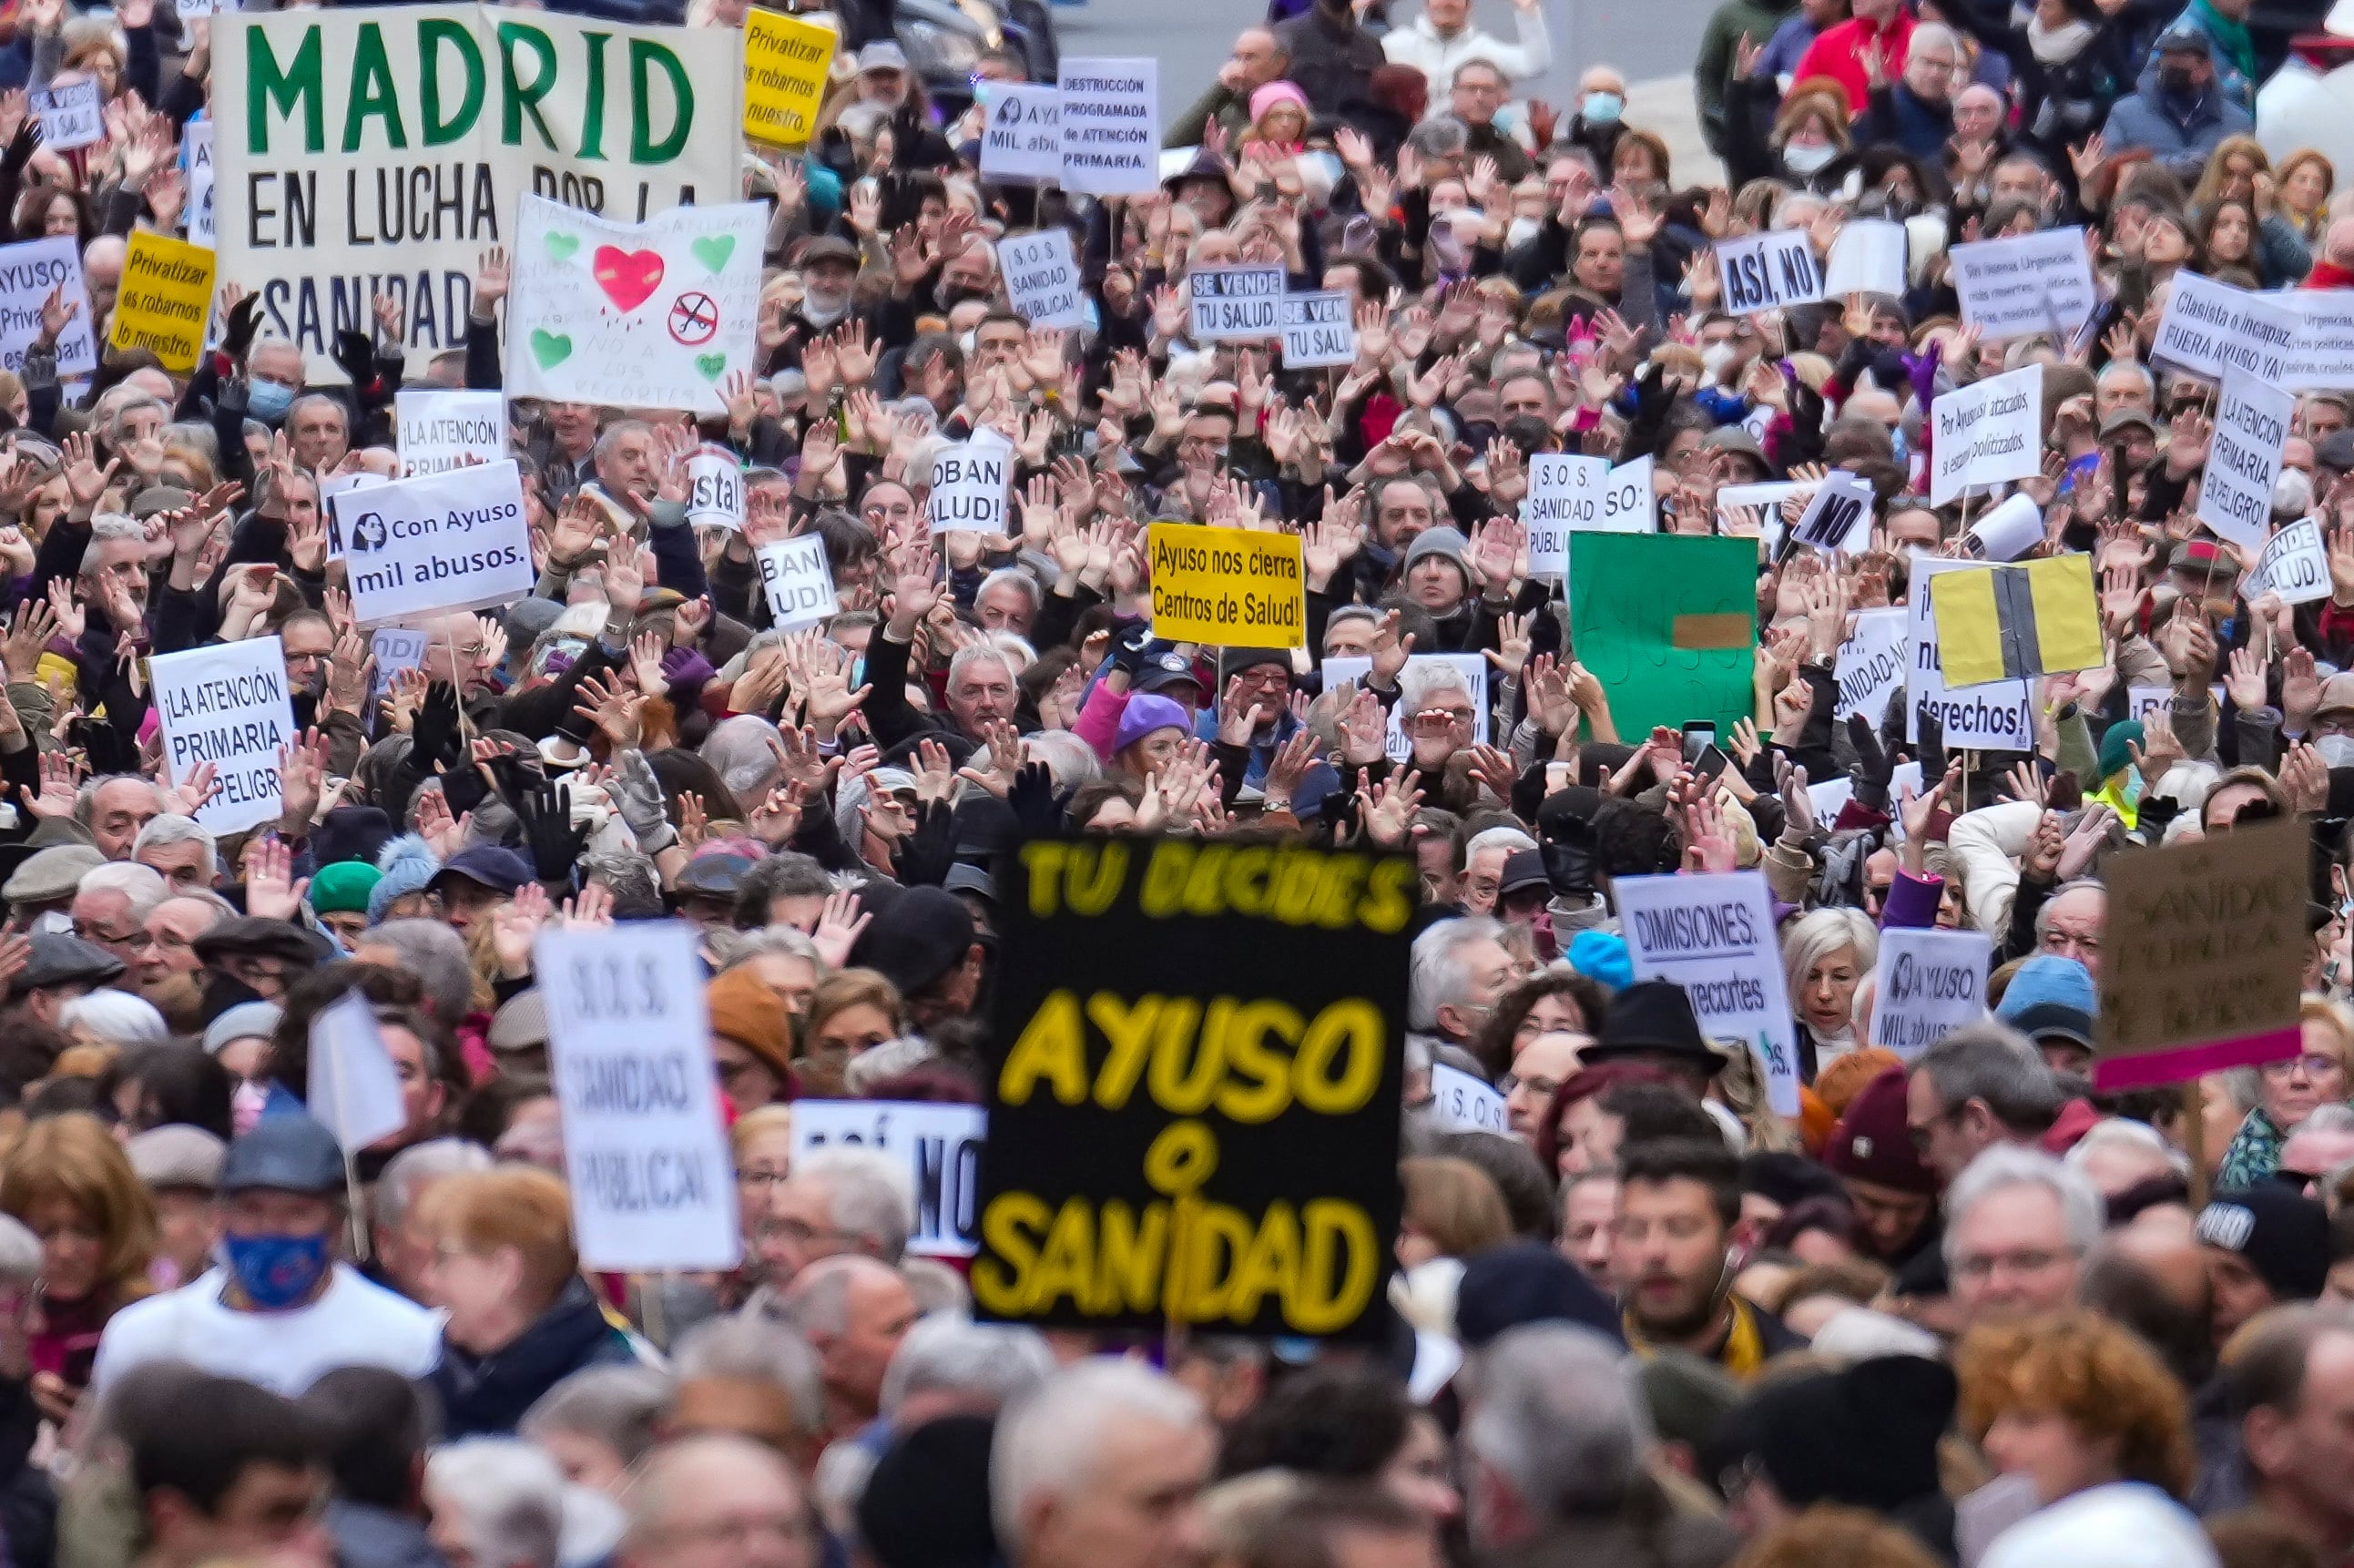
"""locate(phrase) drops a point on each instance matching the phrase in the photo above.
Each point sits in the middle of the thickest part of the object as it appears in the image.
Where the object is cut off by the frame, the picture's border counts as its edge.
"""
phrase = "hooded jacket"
(487, 1395)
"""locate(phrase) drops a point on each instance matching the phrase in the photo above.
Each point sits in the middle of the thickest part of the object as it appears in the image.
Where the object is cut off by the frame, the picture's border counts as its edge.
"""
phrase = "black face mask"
(224, 990)
(2176, 81)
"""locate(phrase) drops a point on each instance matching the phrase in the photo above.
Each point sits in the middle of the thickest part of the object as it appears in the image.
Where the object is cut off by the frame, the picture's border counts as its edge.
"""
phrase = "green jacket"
(1720, 47)
(1222, 103)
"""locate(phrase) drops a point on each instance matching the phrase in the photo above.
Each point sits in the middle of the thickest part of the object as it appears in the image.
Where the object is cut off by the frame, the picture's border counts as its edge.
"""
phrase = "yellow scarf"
(1742, 1354)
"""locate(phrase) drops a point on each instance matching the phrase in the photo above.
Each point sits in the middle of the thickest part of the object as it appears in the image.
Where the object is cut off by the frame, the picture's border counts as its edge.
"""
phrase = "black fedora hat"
(1653, 1019)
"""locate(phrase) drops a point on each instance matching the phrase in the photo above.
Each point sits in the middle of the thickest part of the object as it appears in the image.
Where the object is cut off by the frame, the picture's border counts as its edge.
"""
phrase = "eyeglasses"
(2314, 1063)
(759, 1177)
(137, 941)
(1981, 1266)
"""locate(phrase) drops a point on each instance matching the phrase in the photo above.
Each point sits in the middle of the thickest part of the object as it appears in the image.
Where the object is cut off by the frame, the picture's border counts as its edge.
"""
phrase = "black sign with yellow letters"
(1198, 1056)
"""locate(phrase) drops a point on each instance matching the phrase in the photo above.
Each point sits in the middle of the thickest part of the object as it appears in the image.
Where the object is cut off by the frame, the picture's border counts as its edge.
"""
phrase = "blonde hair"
(519, 1206)
(1455, 1203)
(75, 1159)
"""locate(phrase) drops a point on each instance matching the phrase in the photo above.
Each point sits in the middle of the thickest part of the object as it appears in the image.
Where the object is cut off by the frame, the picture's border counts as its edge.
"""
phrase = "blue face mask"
(1603, 107)
(267, 401)
(276, 1272)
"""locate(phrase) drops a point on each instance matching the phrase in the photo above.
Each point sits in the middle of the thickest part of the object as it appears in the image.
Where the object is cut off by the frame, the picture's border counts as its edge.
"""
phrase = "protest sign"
(1713, 935)
(2205, 955)
(1668, 623)
(2208, 325)
(629, 1046)
(439, 427)
(939, 1144)
(197, 147)
(71, 116)
(226, 703)
(353, 1088)
(2143, 700)
(2039, 282)
(1172, 1143)
(1461, 1103)
(1929, 983)
(1987, 432)
(1628, 505)
(785, 63)
(2243, 457)
(1236, 303)
(2016, 622)
(1868, 258)
(187, 9)
(1111, 125)
(1564, 495)
(799, 582)
(1994, 717)
(1839, 517)
(2295, 564)
(1872, 663)
(1762, 271)
(652, 315)
(2324, 355)
(1041, 278)
(1767, 498)
(394, 649)
(1317, 330)
(166, 293)
(2008, 532)
(444, 541)
(968, 488)
(1023, 141)
(1232, 586)
(1472, 667)
(715, 488)
(379, 150)
(27, 273)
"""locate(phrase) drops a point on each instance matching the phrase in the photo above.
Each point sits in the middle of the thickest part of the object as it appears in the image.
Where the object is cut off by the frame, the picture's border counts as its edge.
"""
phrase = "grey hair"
(407, 1172)
(1442, 136)
(1930, 34)
(2005, 1165)
(1072, 761)
(734, 948)
(108, 528)
(1418, 684)
(2331, 1117)
(2139, 1137)
(869, 1195)
(1012, 576)
(1814, 937)
(753, 1347)
(1509, 840)
(509, 1497)
(116, 1016)
(817, 1302)
(1994, 1063)
(743, 751)
(612, 435)
(619, 1406)
(2134, 368)
(436, 955)
(321, 399)
(1049, 1442)
(143, 886)
(86, 797)
(2082, 884)
(172, 828)
(1438, 976)
(1000, 1361)
(1558, 1419)
(972, 653)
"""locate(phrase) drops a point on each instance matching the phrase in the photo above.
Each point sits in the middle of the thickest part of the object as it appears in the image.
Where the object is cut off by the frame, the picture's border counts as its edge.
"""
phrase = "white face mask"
(1805, 160)
(2336, 750)
(1521, 230)
(1716, 358)
(2292, 493)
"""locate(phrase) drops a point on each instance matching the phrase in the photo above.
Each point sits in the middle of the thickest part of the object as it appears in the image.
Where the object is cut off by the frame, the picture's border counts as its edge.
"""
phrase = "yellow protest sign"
(167, 288)
(2011, 623)
(1232, 586)
(785, 61)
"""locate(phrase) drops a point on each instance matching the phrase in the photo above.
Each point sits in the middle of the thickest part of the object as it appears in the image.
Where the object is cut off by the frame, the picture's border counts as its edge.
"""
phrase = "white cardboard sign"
(1868, 258)
(2033, 283)
(799, 582)
(1871, 663)
(445, 541)
(1473, 668)
(715, 488)
(1111, 125)
(1460, 1101)
(2295, 566)
(438, 428)
(1317, 330)
(1041, 278)
(1713, 935)
(2325, 348)
(2208, 325)
(71, 116)
(1987, 432)
(1564, 495)
(1628, 503)
(1022, 143)
(1236, 304)
(969, 484)
(628, 1047)
(2009, 530)
(1840, 515)
(1930, 983)
(939, 1143)
(1765, 271)
(2243, 458)
(27, 273)
(197, 143)
(1996, 717)
(355, 1087)
(227, 703)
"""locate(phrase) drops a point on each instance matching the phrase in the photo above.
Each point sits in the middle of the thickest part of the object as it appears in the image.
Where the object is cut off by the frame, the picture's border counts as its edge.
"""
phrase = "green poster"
(1667, 623)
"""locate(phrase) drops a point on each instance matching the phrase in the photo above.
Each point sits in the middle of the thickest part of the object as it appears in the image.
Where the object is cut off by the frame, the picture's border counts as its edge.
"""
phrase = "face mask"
(822, 310)
(1521, 230)
(1807, 160)
(2292, 493)
(2174, 79)
(245, 1105)
(1603, 107)
(2336, 750)
(276, 1272)
(267, 401)
(1716, 358)
(1326, 164)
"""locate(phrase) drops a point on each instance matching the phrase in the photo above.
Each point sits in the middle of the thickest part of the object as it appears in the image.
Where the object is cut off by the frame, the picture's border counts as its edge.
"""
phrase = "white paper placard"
(715, 488)
(394, 649)
(1840, 515)
(939, 1143)
(1564, 495)
(1041, 278)
(2033, 283)
(1713, 935)
(1996, 717)
(1111, 125)
(2208, 325)
(1628, 504)
(2243, 458)
(799, 582)
(2295, 564)
(969, 484)
(27, 273)
(227, 703)
(1022, 143)
(196, 149)
(354, 1088)
(71, 116)
(2142, 701)
(1987, 432)
(1930, 983)
(2008, 531)
(1868, 258)
(1317, 330)
(445, 541)
(1236, 304)
(629, 1046)
(1871, 663)
(1461, 1103)
(1473, 667)
(1763, 271)
(438, 427)
(2324, 358)
(1766, 497)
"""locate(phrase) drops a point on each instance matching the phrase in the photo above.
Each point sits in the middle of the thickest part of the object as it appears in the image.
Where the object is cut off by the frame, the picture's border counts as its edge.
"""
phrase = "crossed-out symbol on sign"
(693, 318)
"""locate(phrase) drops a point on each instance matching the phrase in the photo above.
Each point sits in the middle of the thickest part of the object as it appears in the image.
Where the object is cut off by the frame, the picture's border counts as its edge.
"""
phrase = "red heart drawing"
(628, 277)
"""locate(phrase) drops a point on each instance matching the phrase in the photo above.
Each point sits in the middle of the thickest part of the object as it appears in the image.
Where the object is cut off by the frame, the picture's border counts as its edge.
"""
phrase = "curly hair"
(2099, 1376)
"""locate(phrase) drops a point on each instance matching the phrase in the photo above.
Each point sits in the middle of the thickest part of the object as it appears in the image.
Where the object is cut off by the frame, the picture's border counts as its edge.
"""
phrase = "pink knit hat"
(1275, 92)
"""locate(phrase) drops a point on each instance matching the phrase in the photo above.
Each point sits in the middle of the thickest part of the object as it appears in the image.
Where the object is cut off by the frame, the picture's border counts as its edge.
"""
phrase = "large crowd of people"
(1964, 1307)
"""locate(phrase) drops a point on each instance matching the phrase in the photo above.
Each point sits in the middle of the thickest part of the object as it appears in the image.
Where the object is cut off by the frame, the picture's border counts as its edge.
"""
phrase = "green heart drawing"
(711, 364)
(713, 250)
(550, 348)
(562, 246)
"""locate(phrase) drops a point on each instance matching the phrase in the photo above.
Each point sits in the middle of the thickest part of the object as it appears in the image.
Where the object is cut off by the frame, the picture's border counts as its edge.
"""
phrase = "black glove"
(1131, 636)
(22, 146)
(434, 732)
(1033, 799)
(1646, 431)
(236, 332)
(545, 810)
(1803, 442)
(356, 356)
(1876, 766)
(1933, 749)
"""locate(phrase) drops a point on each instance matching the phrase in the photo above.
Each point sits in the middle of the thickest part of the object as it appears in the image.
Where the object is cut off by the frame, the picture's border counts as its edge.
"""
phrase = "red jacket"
(1838, 53)
(2327, 275)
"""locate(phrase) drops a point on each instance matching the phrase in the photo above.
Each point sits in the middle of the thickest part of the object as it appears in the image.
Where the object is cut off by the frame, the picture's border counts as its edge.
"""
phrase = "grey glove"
(637, 794)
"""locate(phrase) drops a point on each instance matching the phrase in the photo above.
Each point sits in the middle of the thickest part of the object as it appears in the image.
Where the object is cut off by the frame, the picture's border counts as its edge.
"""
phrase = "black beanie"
(927, 1502)
(2283, 1236)
(1865, 1437)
